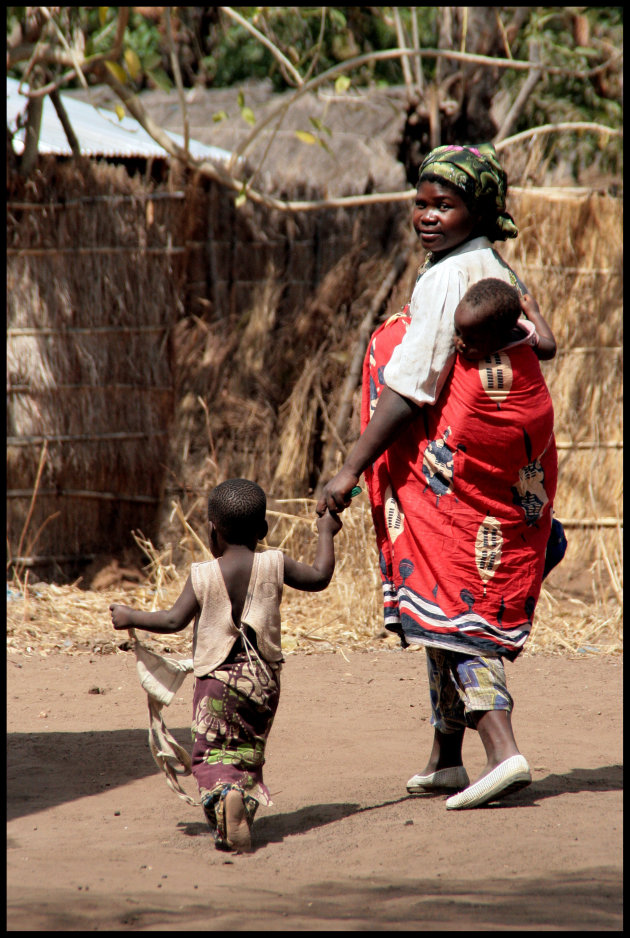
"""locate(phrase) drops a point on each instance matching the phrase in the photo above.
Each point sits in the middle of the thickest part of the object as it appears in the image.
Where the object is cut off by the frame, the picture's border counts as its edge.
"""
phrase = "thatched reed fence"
(93, 290)
(160, 341)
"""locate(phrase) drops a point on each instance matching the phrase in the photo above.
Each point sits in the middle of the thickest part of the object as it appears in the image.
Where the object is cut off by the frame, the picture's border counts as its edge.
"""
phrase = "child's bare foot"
(237, 830)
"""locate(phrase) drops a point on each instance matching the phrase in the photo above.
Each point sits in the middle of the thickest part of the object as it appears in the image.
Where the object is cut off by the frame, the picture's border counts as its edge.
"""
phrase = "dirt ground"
(97, 841)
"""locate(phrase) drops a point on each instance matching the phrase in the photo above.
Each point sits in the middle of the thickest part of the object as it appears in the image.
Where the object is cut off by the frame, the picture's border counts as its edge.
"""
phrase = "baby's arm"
(165, 621)
(314, 578)
(546, 347)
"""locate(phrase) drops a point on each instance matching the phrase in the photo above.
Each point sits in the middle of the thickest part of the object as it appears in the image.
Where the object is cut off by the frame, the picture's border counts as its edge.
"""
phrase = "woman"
(466, 613)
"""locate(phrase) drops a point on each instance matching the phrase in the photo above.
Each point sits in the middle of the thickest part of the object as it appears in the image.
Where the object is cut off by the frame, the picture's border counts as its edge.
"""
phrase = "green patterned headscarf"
(476, 171)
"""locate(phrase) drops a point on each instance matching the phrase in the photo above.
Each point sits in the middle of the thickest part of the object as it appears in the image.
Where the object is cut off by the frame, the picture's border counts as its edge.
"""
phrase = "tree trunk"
(31, 136)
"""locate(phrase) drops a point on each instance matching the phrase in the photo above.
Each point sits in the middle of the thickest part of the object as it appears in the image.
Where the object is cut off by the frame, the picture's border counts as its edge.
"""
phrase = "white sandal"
(509, 776)
(454, 777)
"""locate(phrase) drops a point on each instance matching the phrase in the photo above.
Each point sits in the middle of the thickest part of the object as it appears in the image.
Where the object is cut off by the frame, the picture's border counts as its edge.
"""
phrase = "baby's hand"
(529, 305)
(121, 616)
(329, 522)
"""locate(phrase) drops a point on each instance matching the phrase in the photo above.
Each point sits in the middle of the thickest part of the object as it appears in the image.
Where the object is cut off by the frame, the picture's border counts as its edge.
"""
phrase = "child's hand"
(121, 616)
(329, 522)
(529, 306)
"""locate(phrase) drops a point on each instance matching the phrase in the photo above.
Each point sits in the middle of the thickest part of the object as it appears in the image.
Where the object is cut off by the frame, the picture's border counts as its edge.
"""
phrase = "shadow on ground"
(274, 828)
(588, 900)
(74, 765)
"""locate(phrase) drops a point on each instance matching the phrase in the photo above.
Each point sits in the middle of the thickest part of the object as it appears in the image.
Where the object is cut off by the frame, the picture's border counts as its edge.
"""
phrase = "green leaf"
(248, 115)
(219, 116)
(151, 60)
(325, 146)
(305, 136)
(319, 125)
(337, 18)
(120, 111)
(240, 199)
(160, 78)
(342, 84)
(241, 100)
(102, 15)
(117, 71)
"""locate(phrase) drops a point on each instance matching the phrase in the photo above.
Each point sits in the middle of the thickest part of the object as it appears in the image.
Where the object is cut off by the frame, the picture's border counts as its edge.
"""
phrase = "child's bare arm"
(169, 620)
(312, 579)
(546, 347)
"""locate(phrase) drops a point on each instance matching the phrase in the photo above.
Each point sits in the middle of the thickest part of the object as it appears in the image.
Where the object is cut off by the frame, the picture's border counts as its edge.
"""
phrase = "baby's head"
(485, 318)
(237, 510)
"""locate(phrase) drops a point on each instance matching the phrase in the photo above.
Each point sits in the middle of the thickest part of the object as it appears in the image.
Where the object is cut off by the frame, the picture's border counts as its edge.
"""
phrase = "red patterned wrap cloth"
(462, 502)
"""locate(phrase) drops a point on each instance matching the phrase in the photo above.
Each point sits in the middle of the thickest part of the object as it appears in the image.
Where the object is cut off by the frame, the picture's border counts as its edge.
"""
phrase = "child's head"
(485, 318)
(237, 510)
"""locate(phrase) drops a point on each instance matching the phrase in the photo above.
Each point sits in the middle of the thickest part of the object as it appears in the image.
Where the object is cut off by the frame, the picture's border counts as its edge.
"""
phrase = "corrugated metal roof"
(99, 132)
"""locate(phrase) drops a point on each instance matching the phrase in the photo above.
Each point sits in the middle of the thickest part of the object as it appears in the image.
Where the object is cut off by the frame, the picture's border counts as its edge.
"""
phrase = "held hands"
(329, 523)
(336, 494)
(121, 616)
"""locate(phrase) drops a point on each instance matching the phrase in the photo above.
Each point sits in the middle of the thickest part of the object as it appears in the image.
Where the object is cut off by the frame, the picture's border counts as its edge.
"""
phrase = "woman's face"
(441, 218)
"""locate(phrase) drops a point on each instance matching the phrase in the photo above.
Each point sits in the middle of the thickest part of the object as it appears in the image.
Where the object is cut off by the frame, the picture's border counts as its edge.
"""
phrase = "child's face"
(473, 339)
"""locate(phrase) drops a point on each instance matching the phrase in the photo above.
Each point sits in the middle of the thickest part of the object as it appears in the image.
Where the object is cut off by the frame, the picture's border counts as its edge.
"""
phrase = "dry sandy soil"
(96, 840)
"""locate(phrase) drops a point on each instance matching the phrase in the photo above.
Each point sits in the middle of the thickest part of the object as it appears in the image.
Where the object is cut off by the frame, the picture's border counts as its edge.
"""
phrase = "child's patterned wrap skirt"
(233, 711)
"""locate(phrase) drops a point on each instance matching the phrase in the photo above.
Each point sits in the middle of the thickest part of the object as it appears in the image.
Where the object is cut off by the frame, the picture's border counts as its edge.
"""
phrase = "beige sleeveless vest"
(214, 630)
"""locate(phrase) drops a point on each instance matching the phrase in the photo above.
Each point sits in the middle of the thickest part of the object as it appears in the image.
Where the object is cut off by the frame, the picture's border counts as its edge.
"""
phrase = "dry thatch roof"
(361, 156)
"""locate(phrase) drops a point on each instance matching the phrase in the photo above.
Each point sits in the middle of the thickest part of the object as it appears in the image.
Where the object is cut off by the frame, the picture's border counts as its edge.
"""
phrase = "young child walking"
(237, 653)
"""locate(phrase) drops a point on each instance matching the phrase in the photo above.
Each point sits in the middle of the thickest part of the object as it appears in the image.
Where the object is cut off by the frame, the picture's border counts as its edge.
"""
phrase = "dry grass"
(46, 618)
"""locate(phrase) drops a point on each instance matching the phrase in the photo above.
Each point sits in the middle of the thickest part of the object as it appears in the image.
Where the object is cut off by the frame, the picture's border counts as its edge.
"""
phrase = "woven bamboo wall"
(92, 296)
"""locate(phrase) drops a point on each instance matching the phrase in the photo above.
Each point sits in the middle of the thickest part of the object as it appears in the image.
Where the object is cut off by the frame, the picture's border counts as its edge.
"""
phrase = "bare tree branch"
(178, 76)
(552, 128)
(55, 97)
(318, 45)
(402, 42)
(31, 135)
(77, 65)
(74, 55)
(521, 99)
(417, 62)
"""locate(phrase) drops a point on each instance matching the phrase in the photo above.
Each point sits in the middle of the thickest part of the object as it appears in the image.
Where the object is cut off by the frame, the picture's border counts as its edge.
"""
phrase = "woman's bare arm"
(391, 415)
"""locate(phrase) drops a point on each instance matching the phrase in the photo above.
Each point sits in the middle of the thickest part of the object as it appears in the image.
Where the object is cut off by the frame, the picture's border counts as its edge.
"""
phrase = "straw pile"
(46, 618)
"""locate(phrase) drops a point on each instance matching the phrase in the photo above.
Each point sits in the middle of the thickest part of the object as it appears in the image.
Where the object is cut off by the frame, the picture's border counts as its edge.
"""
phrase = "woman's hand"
(336, 494)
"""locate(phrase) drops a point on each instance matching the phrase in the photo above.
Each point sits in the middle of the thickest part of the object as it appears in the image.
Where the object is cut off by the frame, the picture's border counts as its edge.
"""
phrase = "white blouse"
(420, 365)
